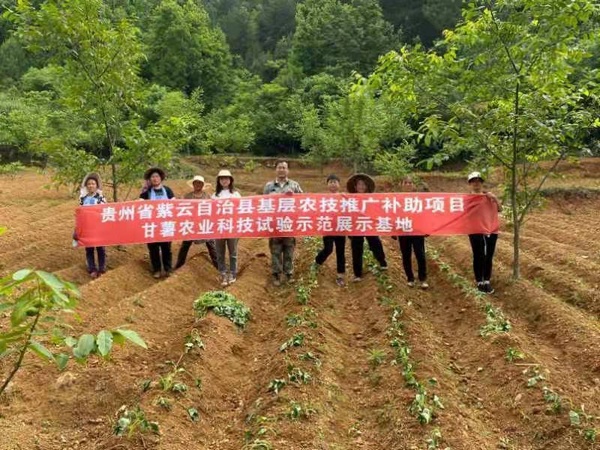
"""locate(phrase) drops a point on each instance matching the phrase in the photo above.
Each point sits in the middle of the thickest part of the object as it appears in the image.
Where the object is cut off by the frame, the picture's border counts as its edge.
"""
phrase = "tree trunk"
(515, 186)
(114, 177)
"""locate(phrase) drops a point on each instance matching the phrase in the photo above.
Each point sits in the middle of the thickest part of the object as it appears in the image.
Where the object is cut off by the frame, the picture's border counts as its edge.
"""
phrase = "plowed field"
(355, 395)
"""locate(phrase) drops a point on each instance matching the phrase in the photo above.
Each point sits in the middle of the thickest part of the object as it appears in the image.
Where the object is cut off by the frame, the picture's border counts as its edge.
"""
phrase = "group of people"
(282, 248)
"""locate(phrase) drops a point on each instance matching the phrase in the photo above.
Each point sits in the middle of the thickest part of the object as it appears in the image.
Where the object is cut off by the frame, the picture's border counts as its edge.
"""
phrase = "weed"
(134, 421)
(376, 357)
(513, 354)
(223, 304)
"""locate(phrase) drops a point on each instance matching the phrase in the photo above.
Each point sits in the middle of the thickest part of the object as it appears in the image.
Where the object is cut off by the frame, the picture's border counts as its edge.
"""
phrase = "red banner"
(285, 215)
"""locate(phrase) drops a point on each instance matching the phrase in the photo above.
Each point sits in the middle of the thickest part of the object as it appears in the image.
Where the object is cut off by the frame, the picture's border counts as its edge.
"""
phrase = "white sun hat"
(199, 178)
(473, 176)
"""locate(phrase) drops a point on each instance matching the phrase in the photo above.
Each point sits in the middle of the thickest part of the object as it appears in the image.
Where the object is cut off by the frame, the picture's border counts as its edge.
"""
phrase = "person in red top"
(483, 245)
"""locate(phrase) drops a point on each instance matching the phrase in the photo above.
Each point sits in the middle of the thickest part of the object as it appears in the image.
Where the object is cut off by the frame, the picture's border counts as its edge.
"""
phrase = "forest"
(386, 85)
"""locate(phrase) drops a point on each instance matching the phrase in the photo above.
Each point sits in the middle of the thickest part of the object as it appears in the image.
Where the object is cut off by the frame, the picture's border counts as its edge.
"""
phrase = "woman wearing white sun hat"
(225, 189)
(197, 183)
(483, 245)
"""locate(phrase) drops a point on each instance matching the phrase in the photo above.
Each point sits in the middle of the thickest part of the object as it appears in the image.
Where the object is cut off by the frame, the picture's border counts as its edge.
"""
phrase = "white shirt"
(226, 193)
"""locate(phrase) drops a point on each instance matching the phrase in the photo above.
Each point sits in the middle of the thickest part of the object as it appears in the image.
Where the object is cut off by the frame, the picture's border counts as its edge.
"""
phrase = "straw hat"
(351, 183)
(199, 178)
(153, 170)
(225, 173)
(474, 176)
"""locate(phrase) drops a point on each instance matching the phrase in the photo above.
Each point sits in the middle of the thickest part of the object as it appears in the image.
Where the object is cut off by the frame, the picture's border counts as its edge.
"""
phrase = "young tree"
(99, 53)
(502, 85)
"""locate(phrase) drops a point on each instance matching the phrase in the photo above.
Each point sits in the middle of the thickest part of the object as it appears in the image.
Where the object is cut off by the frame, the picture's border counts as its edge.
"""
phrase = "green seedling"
(223, 304)
(295, 341)
(298, 411)
(553, 398)
(298, 376)
(376, 357)
(309, 356)
(434, 440)
(513, 354)
(134, 421)
(277, 385)
(192, 341)
(164, 403)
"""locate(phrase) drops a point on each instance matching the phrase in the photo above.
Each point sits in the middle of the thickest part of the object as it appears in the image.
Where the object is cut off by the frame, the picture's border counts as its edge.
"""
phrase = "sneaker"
(411, 284)
(156, 275)
(480, 286)
(276, 281)
(356, 279)
(168, 273)
(424, 285)
(488, 289)
(289, 278)
(340, 281)
(384, 268)
(232, 279)
(101, 272)
(224, 280)
(93, 274)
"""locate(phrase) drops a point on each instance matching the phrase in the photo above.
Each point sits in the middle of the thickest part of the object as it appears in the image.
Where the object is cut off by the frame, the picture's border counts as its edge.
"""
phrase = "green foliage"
(501, 87)
(33, 299)
(376, 357)
(11, 168)
(134, 421)
(336, 37)
(186, 52)
(223, 304)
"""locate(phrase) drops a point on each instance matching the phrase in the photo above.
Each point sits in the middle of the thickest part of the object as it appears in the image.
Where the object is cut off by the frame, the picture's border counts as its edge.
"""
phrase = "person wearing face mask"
(225, 189)
(90, 195)
(361, 183)
(411, 243)
(483, 245)
(198, 193)
(155, 190)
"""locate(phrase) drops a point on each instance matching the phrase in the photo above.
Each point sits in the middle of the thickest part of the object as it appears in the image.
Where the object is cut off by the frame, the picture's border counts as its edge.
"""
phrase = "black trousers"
(483, 246)
(340, 249)
(407, 245)
(160, 251)
(357, 244)
(185, 248)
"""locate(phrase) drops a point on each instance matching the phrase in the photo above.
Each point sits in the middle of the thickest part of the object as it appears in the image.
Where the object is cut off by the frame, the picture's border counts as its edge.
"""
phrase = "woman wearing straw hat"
(225, 189)
(198, 193)
(483, 245)
(155, 190)
(90, 195)
(361, 183)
